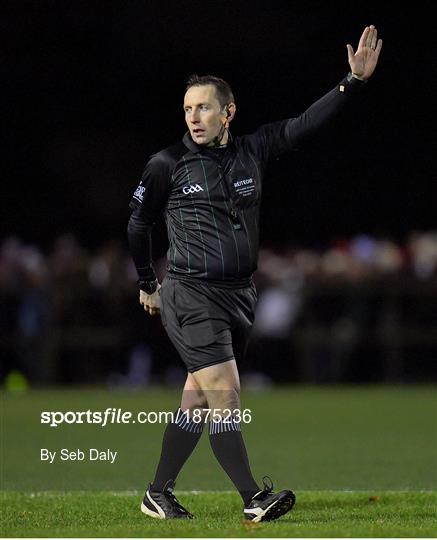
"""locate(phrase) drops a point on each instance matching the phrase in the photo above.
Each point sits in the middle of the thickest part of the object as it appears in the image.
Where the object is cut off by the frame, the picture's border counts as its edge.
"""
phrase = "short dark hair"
(222, 88)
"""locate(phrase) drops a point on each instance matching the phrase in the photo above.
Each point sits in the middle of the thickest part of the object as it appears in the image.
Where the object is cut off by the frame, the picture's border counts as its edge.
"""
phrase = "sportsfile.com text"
(117, 416)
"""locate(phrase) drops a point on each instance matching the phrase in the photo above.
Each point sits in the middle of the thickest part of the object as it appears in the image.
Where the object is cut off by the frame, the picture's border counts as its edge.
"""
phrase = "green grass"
(334, 446)
(338, 438)
(316, 514)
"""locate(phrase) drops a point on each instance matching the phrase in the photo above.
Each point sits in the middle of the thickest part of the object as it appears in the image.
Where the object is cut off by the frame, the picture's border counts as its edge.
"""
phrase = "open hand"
(364, 60)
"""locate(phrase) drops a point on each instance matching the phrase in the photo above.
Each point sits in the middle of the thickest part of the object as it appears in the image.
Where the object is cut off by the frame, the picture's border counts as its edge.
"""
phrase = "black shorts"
(207, 324)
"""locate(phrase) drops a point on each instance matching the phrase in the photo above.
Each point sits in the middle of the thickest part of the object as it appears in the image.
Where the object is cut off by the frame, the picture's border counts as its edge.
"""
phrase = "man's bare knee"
(192, 400)
(220, 384)
(192, 396)
(223, 399)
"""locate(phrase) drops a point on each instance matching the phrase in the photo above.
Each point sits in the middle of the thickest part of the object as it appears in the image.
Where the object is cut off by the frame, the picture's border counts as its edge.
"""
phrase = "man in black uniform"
(209, 188)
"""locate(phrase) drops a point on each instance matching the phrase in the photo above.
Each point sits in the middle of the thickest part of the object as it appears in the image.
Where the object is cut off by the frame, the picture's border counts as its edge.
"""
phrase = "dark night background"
(93, 88)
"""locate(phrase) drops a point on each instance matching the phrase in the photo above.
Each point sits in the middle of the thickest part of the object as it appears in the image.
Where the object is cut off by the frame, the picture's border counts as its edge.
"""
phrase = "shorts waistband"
(240, 283)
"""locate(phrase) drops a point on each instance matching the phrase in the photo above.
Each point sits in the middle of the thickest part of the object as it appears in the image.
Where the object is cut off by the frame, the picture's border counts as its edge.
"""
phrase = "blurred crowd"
(72, 316)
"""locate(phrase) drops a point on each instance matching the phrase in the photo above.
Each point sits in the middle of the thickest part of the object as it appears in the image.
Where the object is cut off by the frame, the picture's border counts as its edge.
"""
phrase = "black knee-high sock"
(180, 439)
(228, 446)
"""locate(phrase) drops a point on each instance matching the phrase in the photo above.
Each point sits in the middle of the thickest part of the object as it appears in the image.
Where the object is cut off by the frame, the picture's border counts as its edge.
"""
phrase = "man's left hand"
(364, 60)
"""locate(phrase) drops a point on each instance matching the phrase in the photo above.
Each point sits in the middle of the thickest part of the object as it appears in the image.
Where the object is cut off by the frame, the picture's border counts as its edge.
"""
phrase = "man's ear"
(229, 111)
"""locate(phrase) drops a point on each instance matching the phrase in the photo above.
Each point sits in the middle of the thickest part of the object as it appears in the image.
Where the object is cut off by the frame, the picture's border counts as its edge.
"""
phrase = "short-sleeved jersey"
(211, 197)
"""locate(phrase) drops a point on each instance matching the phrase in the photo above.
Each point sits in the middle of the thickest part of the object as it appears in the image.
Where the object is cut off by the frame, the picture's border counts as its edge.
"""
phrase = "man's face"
(203, 114)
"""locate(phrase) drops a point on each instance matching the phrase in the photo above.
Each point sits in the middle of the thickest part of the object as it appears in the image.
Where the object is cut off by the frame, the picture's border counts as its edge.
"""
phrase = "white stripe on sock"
(182, 421)
(224, 426)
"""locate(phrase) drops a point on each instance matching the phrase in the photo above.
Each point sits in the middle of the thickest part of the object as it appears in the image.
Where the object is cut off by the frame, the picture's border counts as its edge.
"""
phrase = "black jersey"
(211, 197)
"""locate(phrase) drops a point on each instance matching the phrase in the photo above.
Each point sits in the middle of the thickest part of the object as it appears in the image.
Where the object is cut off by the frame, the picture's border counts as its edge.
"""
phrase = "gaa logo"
(195, 188)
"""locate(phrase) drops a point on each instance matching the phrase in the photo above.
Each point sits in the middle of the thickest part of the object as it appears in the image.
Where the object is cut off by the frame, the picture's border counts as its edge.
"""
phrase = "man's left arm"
(362, 63)
(273, 139)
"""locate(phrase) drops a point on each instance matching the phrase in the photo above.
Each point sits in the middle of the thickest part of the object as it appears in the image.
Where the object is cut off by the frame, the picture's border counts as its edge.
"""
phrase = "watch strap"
(149, 287)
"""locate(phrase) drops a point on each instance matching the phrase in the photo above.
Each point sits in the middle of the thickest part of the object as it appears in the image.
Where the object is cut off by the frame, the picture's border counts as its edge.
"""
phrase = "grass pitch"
(316, 514)
(361, 460)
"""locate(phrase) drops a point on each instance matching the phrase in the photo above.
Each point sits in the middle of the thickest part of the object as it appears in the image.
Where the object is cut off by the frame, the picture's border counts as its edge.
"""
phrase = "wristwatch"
(149, 287)
(351, 77)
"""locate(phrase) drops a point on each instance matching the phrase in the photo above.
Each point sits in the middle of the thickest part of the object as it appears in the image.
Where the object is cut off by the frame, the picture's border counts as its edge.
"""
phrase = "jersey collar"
(196, 148)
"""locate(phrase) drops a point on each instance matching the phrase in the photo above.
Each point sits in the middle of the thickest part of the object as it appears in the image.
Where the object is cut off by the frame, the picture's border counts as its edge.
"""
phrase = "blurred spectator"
(423, 251)
(332, 314)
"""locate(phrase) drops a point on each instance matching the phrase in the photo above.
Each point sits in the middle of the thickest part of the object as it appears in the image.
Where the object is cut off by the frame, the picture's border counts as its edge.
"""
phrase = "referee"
(209, 188)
